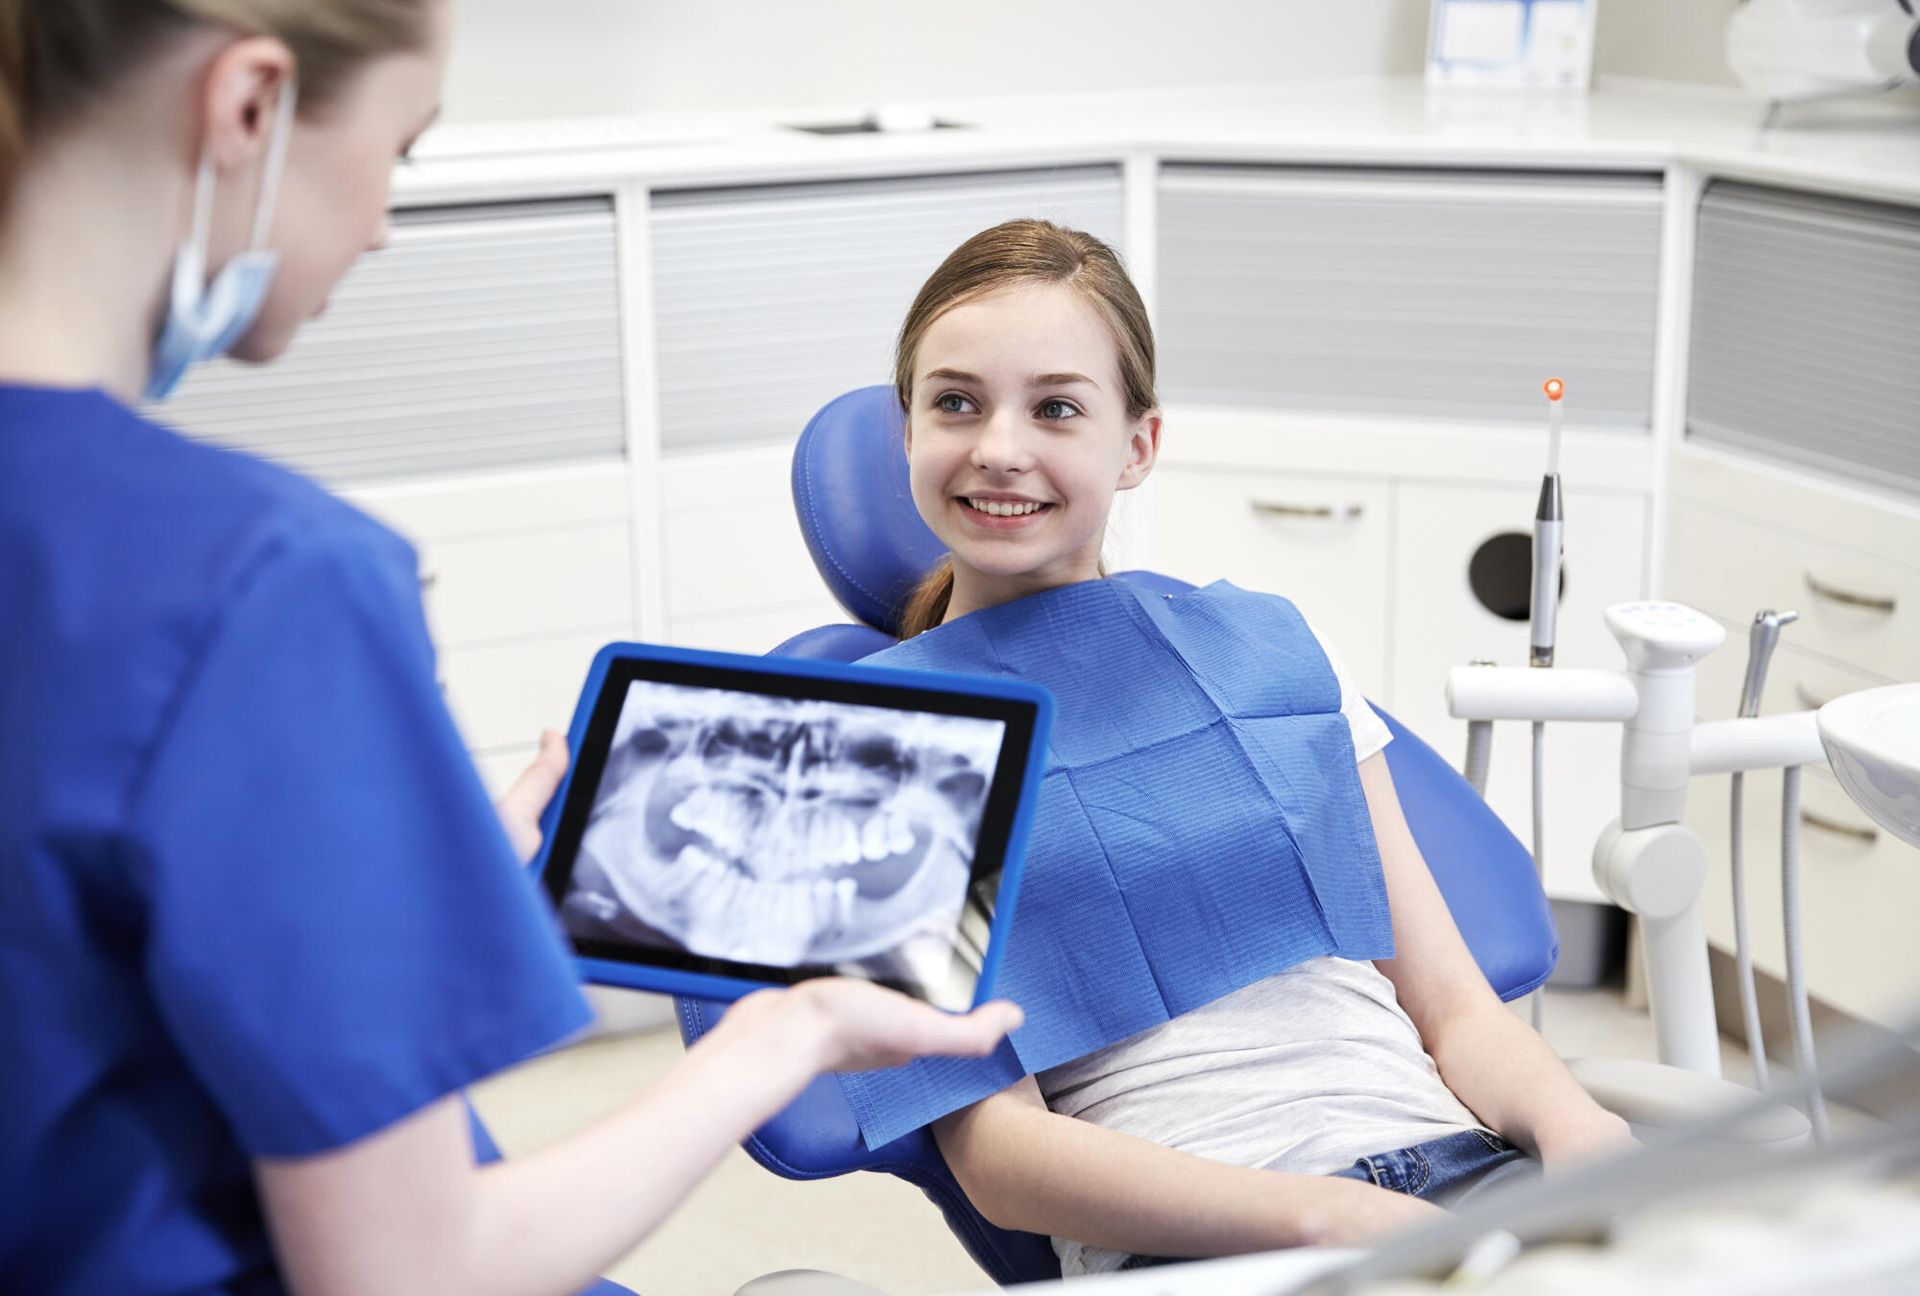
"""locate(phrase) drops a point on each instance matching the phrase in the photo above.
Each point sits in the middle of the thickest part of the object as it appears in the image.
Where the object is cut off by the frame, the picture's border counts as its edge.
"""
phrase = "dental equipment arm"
(1543, 613)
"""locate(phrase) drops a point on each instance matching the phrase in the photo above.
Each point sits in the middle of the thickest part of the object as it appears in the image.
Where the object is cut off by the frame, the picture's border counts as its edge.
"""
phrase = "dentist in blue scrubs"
(258, 921)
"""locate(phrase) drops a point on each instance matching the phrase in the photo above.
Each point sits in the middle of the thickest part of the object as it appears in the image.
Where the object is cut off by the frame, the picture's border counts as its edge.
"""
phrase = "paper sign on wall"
(1535, 43)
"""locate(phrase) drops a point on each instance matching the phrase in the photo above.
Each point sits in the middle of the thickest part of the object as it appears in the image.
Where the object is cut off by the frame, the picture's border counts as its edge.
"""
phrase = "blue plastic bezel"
(677, 981)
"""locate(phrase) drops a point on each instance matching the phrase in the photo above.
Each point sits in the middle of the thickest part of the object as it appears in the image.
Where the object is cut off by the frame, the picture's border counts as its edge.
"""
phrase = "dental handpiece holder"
(1647, 861)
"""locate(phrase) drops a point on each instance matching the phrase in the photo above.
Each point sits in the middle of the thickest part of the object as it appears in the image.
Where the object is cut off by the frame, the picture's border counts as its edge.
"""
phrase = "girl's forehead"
(1014, 333)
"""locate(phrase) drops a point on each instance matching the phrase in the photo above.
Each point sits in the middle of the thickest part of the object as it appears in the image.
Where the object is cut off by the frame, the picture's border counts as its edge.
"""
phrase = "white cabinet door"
(1320, 541)
(1440, 623)
(738, 574)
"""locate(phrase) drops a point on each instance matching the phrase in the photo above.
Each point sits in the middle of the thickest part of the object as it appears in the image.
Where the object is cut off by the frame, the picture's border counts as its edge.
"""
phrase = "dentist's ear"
(239, 98)
(1143, 450)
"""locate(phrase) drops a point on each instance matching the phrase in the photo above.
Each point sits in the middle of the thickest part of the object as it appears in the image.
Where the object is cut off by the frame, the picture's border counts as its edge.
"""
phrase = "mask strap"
(203, 203)
(276, 165)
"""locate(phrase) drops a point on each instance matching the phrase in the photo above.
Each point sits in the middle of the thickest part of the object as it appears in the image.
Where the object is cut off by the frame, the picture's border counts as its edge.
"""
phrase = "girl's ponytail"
(927, 606)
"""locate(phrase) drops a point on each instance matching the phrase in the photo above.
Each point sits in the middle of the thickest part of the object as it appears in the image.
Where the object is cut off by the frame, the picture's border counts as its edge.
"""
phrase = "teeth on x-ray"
(785, 832)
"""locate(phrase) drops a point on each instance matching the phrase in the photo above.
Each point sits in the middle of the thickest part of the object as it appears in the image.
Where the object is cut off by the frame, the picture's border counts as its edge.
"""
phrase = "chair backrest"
(850, 488)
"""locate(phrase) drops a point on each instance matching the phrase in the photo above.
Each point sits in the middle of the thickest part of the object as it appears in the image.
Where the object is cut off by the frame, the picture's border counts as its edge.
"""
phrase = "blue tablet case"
(666, 980)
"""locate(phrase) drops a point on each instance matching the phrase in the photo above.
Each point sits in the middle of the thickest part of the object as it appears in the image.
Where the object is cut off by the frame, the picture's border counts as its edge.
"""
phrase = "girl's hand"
(849, 1025)
(520, 809)
(1594, 1138)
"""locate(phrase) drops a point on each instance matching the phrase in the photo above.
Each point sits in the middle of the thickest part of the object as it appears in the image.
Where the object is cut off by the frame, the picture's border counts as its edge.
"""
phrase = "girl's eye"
(953, 403)
(1058, 409)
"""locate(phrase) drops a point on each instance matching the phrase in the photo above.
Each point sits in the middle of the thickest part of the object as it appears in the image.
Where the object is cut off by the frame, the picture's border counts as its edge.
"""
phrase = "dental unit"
(1647, 861)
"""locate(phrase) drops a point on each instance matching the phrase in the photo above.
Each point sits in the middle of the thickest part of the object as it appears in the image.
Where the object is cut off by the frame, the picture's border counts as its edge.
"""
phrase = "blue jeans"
(1446, 1171)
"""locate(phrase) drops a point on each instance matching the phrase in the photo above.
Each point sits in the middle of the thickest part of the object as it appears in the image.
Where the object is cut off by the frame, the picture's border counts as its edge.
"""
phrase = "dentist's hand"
(847, 1025)
(520, 809)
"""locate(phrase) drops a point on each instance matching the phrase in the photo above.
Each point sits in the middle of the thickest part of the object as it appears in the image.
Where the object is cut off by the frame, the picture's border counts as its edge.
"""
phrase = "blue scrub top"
(253, 899)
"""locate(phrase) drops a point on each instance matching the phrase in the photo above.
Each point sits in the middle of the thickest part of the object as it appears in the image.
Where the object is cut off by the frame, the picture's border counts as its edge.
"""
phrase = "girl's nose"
(1001, 445)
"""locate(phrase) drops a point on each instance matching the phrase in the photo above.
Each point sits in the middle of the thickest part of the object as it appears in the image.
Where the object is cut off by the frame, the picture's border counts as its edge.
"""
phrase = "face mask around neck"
(204, 319)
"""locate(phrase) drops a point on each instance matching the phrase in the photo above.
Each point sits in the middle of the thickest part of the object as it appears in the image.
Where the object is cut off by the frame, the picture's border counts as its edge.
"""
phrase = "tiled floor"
(744, 1221)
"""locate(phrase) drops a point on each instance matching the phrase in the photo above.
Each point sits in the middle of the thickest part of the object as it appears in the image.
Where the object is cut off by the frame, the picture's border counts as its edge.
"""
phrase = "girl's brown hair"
(1022, 252)
(57, 56)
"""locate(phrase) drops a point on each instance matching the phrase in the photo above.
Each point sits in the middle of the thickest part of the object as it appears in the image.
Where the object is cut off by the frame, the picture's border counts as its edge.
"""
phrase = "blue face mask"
(205, 319)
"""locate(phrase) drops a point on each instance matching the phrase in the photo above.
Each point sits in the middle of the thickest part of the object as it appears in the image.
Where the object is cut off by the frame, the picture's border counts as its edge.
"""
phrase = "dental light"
(1807, 49)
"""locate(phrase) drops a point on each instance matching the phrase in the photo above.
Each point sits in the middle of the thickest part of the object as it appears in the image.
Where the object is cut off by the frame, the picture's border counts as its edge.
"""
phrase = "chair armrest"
(1650, 1096)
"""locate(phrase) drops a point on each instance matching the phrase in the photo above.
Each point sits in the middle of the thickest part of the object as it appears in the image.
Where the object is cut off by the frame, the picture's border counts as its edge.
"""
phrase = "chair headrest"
(856, 510)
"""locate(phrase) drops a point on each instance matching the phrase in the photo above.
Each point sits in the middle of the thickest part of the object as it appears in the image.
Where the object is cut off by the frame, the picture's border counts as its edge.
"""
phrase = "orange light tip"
(1554, 389)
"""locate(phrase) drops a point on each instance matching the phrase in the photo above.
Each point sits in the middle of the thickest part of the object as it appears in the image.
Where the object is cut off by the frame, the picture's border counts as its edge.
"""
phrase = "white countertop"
(1867, 147)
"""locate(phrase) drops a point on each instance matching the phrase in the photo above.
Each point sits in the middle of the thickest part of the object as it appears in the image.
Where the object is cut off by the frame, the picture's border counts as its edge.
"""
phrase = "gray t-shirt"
(1304, 1072)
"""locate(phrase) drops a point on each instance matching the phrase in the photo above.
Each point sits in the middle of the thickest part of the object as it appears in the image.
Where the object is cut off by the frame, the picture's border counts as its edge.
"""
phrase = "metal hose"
(1742, 942)
(1796, 971)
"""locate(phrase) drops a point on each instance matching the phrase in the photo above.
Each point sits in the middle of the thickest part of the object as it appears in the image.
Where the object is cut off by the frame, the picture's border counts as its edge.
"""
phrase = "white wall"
(518, 58)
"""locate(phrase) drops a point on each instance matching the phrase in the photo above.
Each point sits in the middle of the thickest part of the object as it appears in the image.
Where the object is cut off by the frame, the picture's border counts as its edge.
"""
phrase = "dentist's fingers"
(867, 1026)
(523, 804)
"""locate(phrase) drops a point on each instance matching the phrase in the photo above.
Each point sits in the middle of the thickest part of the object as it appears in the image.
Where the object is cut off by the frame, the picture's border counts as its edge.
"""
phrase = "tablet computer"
(733, 822)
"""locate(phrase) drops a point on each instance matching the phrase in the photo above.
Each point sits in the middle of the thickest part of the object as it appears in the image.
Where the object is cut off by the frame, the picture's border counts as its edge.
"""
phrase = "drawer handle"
(1871, 602)
(1814, 819)
(1280, 508)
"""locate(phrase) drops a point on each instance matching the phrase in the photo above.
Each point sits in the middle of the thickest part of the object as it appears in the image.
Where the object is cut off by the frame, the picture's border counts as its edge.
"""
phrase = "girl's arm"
(1493, 1061)
(407, 1211)
(1025, 1167)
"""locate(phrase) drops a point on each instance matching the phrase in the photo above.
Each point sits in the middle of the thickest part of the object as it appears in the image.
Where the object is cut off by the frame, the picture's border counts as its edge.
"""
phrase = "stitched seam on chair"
(766, 1156)
(807, 506)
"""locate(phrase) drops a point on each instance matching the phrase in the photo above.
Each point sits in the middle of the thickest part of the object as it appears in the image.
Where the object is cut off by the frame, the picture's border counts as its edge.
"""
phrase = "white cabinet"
(1860, 886)
(524, 576)
(738, 575)
(1439, 623)
(1746, 535)
(771, 300)
(1409, 293)
(1321, 541)
(481, 336)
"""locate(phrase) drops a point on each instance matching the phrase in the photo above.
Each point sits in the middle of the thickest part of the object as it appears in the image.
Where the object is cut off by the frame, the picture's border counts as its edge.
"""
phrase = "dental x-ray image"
(787, 833)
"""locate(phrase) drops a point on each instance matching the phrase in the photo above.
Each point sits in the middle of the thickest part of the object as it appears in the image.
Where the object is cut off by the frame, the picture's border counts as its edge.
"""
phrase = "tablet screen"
(758, 825)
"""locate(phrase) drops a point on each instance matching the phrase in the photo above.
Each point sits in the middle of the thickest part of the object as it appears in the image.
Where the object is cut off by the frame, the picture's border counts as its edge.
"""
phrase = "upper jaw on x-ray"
(787, 832)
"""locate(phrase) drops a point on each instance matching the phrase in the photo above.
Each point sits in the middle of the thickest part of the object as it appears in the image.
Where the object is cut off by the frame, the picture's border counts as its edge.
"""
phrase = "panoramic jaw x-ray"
(783, 832)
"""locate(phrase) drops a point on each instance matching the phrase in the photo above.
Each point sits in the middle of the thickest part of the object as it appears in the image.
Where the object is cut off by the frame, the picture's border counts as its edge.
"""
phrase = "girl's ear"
(1143, 448)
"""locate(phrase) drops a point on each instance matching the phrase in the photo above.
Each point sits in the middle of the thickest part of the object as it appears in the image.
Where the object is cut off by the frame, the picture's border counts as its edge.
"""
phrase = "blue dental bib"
(1201, 824)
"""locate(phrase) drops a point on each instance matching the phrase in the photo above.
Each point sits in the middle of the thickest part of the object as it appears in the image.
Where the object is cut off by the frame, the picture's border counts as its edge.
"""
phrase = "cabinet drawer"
(496, 503)
(1855, 606)
(503, 695)
(1320, 541)
(491, 588)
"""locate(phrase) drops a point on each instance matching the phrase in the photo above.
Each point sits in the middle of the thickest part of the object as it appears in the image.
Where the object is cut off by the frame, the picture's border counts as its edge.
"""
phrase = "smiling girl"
(1327, 1104)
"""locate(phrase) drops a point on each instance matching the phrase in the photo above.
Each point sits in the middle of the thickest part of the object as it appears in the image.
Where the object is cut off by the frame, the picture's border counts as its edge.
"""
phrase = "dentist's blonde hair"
(1023, 252)
(57, 57)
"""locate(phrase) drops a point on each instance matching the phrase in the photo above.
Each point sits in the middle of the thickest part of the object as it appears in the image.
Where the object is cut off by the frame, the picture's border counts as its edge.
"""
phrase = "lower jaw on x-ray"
(788, 833)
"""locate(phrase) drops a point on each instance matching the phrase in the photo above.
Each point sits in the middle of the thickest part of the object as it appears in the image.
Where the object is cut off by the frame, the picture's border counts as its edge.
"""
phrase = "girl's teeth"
(1004, 508)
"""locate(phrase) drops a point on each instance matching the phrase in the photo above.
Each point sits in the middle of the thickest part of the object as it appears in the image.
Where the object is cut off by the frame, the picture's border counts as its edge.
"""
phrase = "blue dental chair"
(850, 489)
